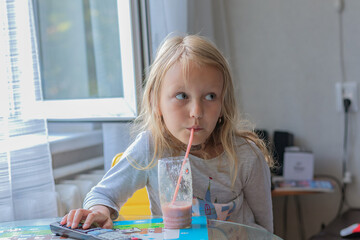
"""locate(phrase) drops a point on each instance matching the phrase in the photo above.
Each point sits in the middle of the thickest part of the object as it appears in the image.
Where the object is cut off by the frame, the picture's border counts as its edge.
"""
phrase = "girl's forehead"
(179, 74)
(188, 67)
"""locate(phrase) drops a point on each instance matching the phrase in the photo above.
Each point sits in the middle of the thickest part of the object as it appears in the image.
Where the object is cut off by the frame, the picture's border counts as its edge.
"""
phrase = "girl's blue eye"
(210, 96)
(181, 96)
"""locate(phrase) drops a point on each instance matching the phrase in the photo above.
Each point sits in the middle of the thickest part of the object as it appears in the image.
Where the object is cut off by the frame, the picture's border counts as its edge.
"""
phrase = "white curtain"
(203, 17)
(26, 180)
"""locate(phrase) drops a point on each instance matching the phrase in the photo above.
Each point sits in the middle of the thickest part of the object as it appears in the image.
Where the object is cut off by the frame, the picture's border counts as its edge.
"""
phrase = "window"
(87, 57)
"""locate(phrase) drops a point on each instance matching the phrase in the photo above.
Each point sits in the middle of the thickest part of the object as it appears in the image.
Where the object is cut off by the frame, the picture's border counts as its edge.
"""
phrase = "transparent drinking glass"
(176, 211)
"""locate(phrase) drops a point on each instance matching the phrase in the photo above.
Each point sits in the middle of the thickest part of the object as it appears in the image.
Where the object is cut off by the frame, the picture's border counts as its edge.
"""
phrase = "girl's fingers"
(89, 220)
(70, 217)
(75, 216)
(108, 224)
(80, 214)
(64, 220)
(98, 217)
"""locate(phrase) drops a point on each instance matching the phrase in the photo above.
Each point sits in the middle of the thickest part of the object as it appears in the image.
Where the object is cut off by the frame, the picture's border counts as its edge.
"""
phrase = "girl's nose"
(196, 110)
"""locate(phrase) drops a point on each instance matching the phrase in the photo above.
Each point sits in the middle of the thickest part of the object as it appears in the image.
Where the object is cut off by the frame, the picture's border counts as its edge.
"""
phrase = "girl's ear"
(220, 120)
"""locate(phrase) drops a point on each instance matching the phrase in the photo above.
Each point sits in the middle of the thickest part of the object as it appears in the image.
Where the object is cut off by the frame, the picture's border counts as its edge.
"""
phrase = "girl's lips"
(196, 129)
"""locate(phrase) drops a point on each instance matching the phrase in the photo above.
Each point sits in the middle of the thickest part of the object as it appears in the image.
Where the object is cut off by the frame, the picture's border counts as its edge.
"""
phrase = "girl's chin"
(186, 142)
(195, 142)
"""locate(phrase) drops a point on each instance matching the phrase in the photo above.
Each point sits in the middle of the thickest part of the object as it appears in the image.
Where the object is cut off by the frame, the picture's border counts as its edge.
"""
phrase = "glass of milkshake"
(175, 201)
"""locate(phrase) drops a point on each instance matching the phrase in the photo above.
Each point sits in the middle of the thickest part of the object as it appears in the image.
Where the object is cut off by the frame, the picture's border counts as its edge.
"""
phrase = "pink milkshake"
(177, 215)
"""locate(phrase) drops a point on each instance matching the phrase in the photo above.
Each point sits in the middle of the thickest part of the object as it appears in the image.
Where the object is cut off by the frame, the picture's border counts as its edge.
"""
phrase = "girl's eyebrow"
(179, 87)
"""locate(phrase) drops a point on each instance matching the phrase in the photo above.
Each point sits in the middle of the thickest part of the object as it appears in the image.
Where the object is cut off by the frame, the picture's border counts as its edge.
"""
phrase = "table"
(332, 230)
(295, 193)
(216, 230)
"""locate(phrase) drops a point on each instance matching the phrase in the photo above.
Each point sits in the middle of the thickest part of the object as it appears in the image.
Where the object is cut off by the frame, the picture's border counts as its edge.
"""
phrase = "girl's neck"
(198, 147)
(206, 151)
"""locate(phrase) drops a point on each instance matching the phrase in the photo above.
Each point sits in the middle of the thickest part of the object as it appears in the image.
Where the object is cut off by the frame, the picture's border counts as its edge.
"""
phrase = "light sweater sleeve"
(257, 189)
(122, 180)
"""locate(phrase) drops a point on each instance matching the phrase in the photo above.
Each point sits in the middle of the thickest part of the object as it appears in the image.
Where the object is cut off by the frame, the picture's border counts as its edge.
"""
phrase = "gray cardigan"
(249, 202)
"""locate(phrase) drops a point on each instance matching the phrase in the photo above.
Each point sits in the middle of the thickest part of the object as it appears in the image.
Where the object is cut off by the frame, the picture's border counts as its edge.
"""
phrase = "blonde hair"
(199, 50)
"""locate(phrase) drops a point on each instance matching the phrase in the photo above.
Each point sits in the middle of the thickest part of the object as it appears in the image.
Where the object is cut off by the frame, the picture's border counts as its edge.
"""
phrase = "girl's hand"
(97, 214)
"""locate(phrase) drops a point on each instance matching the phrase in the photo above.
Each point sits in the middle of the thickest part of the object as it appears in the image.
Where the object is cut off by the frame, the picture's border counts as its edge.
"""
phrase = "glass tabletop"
(39, 229)
(229, 230)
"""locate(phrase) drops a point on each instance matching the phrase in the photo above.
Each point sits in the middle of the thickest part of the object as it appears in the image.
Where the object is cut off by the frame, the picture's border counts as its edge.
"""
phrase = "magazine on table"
(316, 185)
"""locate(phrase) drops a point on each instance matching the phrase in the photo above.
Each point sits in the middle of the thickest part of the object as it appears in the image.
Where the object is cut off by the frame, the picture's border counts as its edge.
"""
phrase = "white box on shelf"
(298, 165)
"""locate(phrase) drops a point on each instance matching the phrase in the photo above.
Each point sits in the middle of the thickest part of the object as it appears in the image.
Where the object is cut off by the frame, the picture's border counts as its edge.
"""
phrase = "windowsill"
(75, 152)
(65, 142)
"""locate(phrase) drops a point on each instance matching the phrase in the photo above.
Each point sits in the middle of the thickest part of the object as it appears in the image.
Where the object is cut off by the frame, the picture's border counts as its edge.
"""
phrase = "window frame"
(108, 109)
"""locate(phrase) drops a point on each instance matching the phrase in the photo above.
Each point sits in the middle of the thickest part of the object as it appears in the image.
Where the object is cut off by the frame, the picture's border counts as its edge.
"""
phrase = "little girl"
(189, 87)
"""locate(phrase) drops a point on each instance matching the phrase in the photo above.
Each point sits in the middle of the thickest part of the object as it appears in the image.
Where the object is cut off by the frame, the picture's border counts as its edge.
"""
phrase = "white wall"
(285, 60)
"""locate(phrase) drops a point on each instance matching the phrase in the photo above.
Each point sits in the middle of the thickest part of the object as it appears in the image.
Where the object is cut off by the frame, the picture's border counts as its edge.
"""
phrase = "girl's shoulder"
(244, 142)
(142, 138)
(250, 157)
(139, 152)
(141, 143)
(144, 135)
(247, 149)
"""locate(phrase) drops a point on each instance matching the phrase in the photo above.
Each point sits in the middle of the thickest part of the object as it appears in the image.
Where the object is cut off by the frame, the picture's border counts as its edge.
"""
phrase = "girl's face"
(191, 103)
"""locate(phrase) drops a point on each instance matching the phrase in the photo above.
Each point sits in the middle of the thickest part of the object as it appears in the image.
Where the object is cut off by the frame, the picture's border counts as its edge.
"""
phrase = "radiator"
(74, 181)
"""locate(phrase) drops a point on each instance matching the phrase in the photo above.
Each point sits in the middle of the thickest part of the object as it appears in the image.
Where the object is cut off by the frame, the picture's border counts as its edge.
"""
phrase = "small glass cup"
(176, 214)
